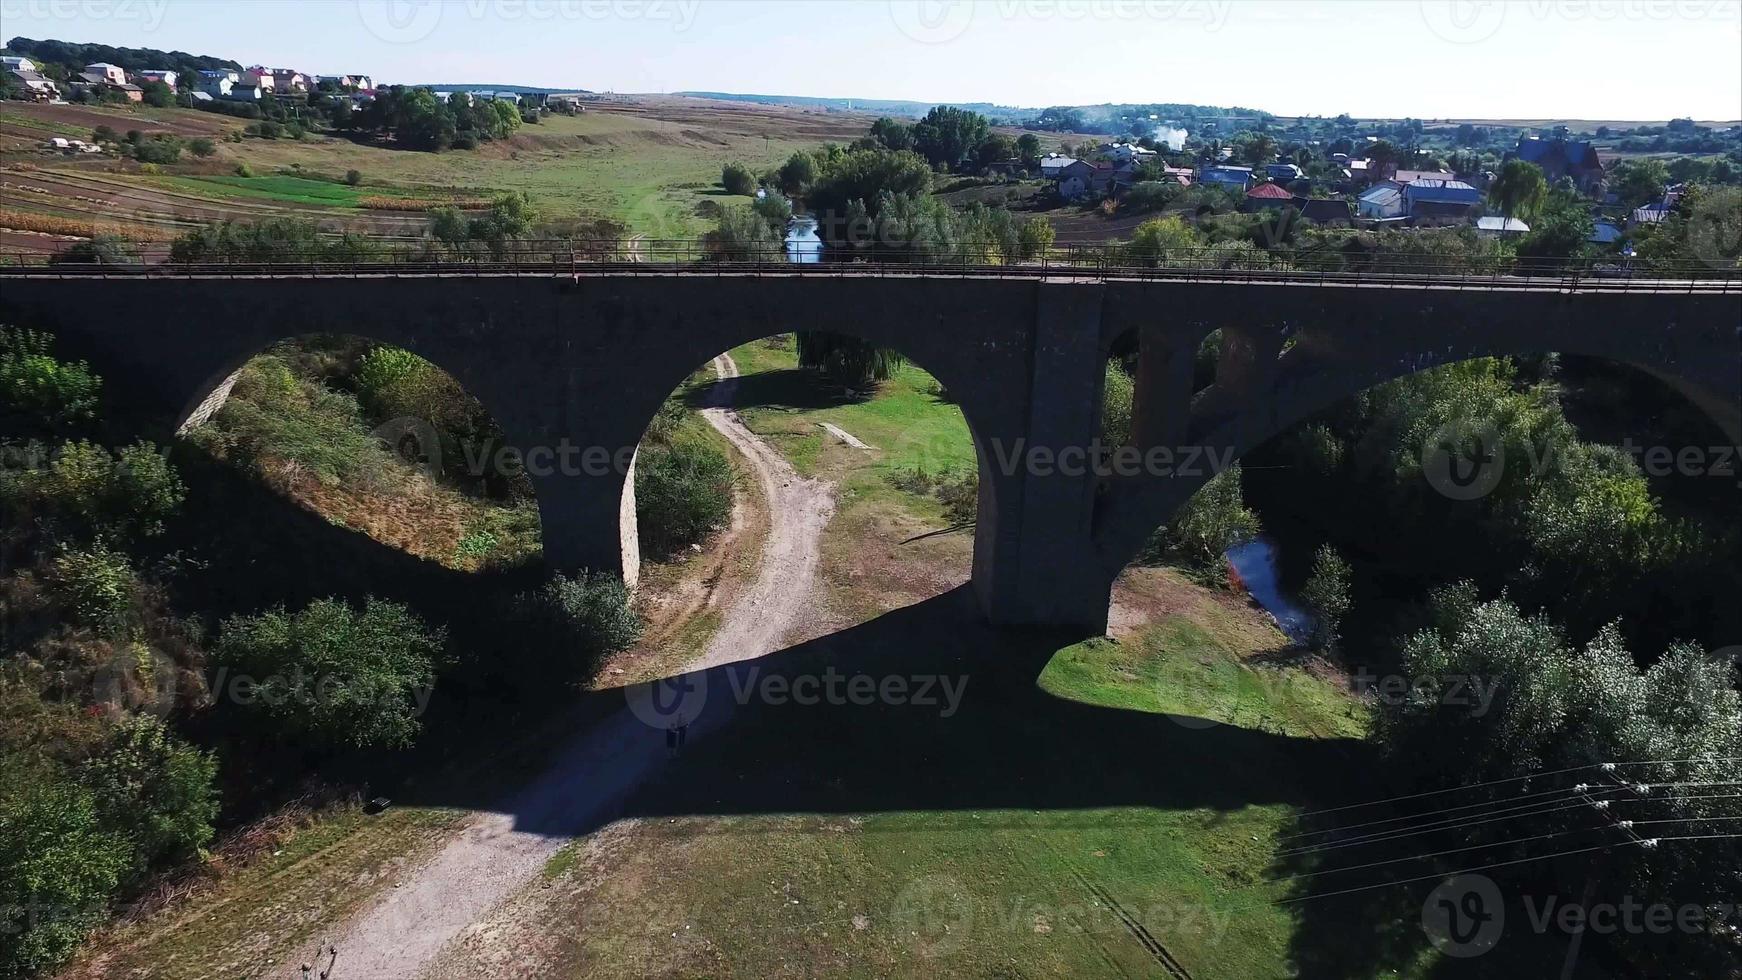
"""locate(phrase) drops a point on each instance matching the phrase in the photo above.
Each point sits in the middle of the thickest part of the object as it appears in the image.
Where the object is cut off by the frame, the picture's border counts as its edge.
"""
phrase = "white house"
(14, 63)
(1075, 180)
(158, 75)
(1382, 200)
(111, 73)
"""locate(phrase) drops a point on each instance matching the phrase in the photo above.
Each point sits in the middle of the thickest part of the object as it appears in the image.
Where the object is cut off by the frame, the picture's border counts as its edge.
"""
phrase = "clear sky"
(1590, 59)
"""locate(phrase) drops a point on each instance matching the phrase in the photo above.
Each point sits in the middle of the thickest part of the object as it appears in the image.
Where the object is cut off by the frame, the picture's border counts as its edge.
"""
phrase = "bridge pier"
(1034, 561)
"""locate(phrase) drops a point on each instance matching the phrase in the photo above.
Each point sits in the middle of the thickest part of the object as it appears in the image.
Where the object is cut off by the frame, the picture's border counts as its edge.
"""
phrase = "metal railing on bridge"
(574, 259)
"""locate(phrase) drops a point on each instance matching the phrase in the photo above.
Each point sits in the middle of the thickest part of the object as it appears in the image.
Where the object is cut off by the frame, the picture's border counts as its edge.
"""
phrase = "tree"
(892, 134)
(995, 148)
(848, 361)
(683, 493)
(157, 95)
(1381, 156)
(1034, 237)
(737, 179)
(743, 234)
(333, 676)
(1639, 182)
(1028, 148)
(1157, 240)
(564, 629)
(947, 135)
(798, 173)
(1518, 190)
(156, 787)
(1326, 594)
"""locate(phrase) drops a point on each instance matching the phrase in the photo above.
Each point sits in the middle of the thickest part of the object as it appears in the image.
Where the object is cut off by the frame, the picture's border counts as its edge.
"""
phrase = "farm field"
(646, 162)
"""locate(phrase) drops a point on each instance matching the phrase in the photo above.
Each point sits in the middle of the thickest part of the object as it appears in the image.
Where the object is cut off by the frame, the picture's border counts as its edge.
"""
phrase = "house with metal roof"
(1382, 200)
(1325, 210)
(1500, 226)
(1452, 192)
(1240, 177)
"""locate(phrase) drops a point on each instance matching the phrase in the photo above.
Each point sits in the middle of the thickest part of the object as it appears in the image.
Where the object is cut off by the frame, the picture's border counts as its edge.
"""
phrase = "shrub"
(158, 149)
(682, 493)
(39, 392)
(155, 789)
(202, 147)
(59, 866)
(98, 586)
(243, 170)
(93, 494)
(737, 179)
(105, 134)
(353, 177)
(333, 676)
(848, 361)
(565, 628)
(100, 250)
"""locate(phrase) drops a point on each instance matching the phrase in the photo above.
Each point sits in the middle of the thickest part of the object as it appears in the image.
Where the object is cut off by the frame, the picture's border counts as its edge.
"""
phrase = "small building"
(1605, 233)
(1652, 214)
(1435, 214)
(112, 74)
(15, 63)
(1053, 164)
(1499, 226)
(258, 76)
(1267, 195)
(1124, 152)
(1284, 172)
(1382, 200)
(218, 84)
(1075, 180)
(1451, 193)
(163, 75)
(1333, 211)
(132, 93)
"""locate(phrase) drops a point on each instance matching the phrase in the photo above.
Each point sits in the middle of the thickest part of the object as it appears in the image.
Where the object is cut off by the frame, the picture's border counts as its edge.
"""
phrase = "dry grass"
(377, 203)
(51, 224)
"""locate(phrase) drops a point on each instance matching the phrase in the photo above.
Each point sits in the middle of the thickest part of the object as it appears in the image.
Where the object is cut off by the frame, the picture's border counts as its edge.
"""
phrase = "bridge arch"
(1281, 368)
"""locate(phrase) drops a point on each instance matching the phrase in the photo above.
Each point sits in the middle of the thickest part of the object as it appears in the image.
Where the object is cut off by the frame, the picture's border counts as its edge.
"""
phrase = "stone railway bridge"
(585, 361)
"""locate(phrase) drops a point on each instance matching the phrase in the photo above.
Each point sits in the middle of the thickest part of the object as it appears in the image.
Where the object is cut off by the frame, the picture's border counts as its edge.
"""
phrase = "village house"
(163, 75)
(1125, 152)
(286, 80)
(15, 63)
(218, 84)
(1285, 172)
(105, 72)
(1053, 164)
(40, 86)
(258, 76)
(1325, 210)
(1560, 157)
(1381, 201)
(1074, 180)
(1267, 195)
(1232, 177)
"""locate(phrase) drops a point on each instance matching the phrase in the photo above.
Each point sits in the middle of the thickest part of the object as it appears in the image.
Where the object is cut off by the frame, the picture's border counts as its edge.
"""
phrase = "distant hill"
(499, 87)
(894, 107)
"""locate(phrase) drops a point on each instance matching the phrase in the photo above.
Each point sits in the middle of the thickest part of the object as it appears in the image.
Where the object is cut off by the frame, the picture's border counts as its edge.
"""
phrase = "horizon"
(1009, 53)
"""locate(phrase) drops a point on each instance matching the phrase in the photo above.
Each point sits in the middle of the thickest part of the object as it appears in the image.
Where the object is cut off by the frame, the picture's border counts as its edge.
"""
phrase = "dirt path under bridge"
(402, 935)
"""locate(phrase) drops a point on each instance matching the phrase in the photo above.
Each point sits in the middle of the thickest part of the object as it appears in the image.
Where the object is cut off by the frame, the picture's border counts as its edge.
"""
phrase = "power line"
(1514, 779)
(1535, 810)
(1562, 791)
(1432, 854)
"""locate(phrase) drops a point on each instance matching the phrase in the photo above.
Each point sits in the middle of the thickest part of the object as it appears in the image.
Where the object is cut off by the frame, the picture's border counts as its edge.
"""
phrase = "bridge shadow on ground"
(790, 388)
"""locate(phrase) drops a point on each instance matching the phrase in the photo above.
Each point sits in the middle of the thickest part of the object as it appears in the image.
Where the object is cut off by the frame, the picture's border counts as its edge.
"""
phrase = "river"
(1256, 563)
